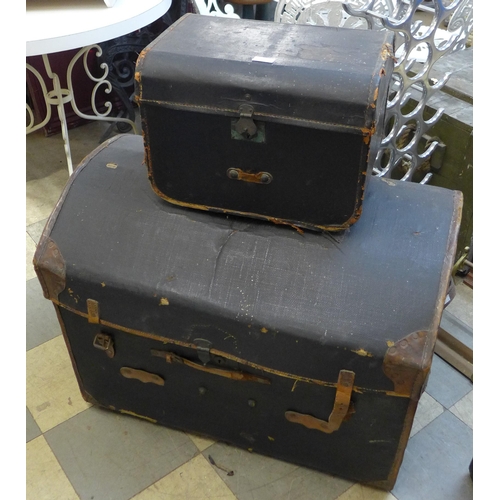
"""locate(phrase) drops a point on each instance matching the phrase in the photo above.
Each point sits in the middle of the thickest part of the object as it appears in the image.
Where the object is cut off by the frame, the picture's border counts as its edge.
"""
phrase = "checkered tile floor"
(77, 451)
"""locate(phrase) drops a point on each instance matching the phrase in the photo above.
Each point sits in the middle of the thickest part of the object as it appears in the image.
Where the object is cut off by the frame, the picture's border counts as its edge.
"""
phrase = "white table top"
(58, 25)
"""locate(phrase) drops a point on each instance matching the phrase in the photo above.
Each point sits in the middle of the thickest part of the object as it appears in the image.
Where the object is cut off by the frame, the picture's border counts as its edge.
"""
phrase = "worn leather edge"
(420, 377)
(50, 269)
(85, 395)
(276, 220)
(142, 55)
(48, 260)
(376, 100)
(379, 94)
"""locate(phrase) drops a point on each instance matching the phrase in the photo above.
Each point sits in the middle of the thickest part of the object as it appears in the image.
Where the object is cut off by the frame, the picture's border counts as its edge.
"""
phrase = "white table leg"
(59, 96)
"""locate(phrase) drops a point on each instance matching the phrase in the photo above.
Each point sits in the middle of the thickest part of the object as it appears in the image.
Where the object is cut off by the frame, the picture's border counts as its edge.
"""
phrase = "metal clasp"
(104, 343)
(245, 126)
(203, 350)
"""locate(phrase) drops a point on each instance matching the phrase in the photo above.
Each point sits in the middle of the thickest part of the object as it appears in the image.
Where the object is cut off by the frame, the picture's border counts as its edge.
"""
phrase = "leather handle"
(170, 357)
(340, 407)
(241, 175)
(142, 376)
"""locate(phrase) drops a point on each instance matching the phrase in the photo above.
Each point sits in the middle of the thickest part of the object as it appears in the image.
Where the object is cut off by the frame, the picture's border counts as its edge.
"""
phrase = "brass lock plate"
(259, 135)
(245, 128)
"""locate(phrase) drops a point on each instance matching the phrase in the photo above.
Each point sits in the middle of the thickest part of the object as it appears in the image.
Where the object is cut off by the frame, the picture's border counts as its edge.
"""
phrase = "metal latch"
(203, 350)
(104, 343)
(341, 407)
(245, 126)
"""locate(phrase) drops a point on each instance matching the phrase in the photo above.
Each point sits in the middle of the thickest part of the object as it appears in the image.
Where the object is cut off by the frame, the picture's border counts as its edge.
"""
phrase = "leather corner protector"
(405, 361)
(50, 269)
(385, 484)
(88, 398)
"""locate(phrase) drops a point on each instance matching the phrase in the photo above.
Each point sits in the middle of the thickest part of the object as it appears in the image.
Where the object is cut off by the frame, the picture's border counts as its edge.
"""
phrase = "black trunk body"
(287, 310)
(316, 96)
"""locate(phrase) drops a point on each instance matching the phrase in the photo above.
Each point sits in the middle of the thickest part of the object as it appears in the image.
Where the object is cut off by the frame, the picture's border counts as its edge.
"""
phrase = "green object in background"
(452, 167)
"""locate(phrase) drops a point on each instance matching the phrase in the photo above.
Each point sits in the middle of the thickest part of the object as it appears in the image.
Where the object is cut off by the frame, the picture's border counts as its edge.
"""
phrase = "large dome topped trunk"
(306, 348)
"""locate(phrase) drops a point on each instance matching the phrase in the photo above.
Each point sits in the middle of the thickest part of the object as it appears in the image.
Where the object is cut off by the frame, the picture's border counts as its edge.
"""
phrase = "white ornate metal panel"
(214, 8)
(60, 96)
(425, 32)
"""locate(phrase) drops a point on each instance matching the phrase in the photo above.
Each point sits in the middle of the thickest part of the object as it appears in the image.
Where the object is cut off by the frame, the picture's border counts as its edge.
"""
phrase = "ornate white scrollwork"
(31, 126)
(59, 96)
(418, 47)
(212, 8)
(319, 13)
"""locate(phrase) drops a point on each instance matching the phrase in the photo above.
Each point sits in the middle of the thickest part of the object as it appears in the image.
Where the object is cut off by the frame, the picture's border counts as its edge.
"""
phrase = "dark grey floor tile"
(32, 429)
(263, 478)
(111, 456)
(436, 462)
(41, 318)
(428, 409)
(35, 230)
(464, 409)
(447, 385)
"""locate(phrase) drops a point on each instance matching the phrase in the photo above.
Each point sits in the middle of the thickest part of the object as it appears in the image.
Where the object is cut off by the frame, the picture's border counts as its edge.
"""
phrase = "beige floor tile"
(428, 409)
(35, 230)
(45, 480)
(52, 392)
(463, 409)
(462, 304)
(30, 252)
(360, 492)
(42, 195)
(201, 443)
(195, 480)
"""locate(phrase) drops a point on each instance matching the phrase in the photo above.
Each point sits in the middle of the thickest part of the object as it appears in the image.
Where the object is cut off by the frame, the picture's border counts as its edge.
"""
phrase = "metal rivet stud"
(202, 390)
(252, 403)
(232, 173)
(266, 178)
